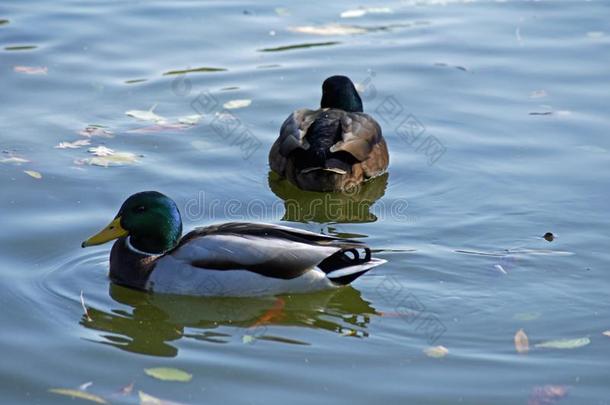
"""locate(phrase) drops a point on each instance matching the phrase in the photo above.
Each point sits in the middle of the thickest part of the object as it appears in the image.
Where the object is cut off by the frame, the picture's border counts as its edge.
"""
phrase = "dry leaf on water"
(522, 344)
(436, 352)
(78, 394)
(234, 104)
(565, 343)
(106, 157)
(146, 115)
(146, 399)
(169, 374)
(13, 159)
(73, 145)
(33, 173)
(190, 119)
(31, 70)
(359, 12)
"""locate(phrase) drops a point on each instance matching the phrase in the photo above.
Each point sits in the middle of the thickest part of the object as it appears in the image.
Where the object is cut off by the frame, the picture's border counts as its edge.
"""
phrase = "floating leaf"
(298, 46)
(146, 399)
(73, 145)
(96, 130)
(329, 29)
(118, 159)
(436, 352)
(565, 343)
(169, 374)
(33, 173)
(203, 69)
(31, 70)
(3, 21)
(20, 48)
(606, 333)
(549, 237)
(146, 115)
(134, 81)
(522, 344)
(190, 119)
(547, 394)
(13, 159)
(78, 394)
(234, 104)
(106, 157)
(359, 12)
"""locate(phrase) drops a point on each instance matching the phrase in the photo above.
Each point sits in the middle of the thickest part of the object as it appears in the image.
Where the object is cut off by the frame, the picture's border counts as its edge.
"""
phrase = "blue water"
(496, 117)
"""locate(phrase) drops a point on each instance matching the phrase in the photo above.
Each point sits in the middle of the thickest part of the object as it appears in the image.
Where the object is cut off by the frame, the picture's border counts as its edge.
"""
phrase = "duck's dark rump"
(323, 133)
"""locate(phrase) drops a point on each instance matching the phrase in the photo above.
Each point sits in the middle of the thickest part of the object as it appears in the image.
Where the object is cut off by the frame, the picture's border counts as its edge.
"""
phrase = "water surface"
(496, 116)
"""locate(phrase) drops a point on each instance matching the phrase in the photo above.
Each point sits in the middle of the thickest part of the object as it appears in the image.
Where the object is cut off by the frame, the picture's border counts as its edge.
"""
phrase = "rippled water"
(496, 116)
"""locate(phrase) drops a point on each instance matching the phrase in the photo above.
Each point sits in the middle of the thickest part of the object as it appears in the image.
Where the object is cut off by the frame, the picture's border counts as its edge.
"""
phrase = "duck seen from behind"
(231, 259)
(333, 148)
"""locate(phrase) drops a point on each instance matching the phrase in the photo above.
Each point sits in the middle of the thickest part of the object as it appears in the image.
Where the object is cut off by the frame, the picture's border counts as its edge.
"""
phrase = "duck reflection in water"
(147, 323)
(351, 205)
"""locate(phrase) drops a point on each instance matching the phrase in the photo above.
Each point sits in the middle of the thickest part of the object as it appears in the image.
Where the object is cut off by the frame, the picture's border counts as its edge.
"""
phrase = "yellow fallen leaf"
(436, 352)
(146, 399)
(522, 343)
(169, 374)
(78, 394)
(33, 173)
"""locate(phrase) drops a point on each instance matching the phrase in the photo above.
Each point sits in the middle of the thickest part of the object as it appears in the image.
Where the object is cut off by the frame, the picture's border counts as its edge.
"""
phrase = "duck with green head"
(333, 148)
(231, 259)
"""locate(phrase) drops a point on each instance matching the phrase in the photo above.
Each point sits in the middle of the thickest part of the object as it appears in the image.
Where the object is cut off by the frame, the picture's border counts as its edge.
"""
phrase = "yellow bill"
(111, 232)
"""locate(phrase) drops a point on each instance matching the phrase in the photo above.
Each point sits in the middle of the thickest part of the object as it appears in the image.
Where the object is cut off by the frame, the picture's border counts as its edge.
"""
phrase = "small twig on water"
(82, 302)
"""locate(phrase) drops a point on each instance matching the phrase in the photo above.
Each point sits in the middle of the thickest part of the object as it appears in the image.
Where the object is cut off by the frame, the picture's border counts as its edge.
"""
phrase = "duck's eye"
(139, 209)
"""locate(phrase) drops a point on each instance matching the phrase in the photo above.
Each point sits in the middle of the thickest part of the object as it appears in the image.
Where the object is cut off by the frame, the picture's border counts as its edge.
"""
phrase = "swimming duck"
(333, 148)
(231, 259)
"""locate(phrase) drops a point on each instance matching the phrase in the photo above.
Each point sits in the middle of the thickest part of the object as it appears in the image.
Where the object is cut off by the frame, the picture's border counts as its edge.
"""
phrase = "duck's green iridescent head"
(339, 92)
(150, 219)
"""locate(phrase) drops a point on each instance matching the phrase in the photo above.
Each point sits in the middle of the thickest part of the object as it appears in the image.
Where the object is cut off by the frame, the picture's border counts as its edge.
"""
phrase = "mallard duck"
(333, 148)
(232, 259)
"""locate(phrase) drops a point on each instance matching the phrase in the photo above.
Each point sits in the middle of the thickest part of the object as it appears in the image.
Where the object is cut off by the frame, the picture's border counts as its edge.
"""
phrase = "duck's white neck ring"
(136, 250)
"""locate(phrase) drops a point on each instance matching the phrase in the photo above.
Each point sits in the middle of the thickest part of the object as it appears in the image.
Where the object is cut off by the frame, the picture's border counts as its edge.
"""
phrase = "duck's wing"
(292, 137)
(360, 134)
(270, 250)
